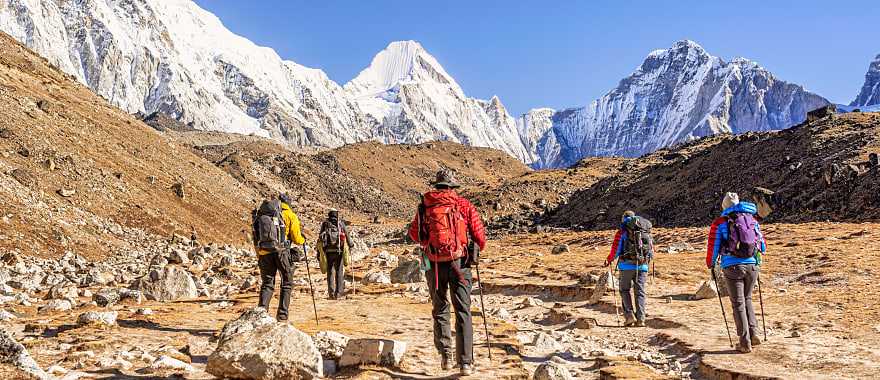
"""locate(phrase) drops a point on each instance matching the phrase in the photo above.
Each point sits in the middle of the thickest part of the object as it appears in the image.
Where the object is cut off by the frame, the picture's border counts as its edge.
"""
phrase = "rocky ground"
(160, 317)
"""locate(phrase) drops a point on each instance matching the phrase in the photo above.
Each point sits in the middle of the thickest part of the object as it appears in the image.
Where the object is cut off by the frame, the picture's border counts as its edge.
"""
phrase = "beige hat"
(730, 200)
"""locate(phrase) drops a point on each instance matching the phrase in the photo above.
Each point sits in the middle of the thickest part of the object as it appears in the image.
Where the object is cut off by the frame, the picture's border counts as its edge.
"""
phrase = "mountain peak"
(400, 62)
(870, 92)
(680, 47)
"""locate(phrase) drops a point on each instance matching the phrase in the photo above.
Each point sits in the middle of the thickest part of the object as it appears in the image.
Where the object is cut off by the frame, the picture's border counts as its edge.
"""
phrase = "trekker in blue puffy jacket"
(633, 270)
(736, 241)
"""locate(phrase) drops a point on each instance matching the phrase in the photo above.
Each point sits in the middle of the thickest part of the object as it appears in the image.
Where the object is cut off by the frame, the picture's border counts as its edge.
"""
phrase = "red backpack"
(442, 227)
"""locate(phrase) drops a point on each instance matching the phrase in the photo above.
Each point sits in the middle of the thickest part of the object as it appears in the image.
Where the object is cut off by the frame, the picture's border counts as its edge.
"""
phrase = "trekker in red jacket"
(445, 226)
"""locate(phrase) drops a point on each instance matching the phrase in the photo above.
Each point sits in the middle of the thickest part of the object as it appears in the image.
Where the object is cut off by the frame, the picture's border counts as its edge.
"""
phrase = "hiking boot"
(630, 320)
(742, 349)
(755, 341)
(445, 363)
(640, 323)
(466, 370)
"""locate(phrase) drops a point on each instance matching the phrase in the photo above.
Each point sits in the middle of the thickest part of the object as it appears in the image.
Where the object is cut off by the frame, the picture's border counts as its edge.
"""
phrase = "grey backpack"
(269, 229)
(639, 243)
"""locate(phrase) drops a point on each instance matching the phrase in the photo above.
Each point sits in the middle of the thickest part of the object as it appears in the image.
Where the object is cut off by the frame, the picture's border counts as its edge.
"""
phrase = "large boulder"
(331, 344)
(384, 352)
(14, 354)
(706, 290)
(167, 284)
(248, 321)
(606, 282)
(552, 371)
(275, 351)
(407, 272)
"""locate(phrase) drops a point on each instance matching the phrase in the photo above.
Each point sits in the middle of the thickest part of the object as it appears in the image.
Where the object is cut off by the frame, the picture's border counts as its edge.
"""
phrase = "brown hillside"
(370, 179)
(813, 172)
(515, 204)
(73, 167)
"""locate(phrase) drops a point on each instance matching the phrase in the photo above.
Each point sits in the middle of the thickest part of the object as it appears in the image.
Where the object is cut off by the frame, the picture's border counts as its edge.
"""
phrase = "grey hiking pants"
(741, 281)
(630, 279)
(457, 283)
(270, 264)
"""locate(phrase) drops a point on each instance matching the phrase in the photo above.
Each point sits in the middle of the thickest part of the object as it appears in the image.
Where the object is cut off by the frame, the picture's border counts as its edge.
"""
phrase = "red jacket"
(467, 210)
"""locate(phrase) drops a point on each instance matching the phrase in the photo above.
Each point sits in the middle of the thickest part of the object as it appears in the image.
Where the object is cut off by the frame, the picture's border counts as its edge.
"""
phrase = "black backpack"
(268, 226)
(639, 244)
(331, 236)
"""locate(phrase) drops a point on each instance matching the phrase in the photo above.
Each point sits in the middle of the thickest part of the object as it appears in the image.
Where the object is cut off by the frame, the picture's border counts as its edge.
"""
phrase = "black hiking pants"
(335, 275)
(741, 281)
(445, 279)
(270, 264)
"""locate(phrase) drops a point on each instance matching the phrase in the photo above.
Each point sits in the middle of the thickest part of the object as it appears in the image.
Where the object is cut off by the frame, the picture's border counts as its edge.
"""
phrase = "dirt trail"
(821, 315)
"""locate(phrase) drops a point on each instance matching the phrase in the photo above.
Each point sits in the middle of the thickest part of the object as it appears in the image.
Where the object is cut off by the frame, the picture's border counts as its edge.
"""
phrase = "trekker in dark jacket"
(444, 226)
(634, 246)
(334, 246)
(734, 229)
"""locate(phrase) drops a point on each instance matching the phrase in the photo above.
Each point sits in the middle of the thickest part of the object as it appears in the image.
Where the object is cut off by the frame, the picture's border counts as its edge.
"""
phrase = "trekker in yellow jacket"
(271, 261)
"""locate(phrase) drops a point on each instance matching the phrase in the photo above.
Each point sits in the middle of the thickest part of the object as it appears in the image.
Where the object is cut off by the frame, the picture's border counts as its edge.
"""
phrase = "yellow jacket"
(322, 257)
(292, 228)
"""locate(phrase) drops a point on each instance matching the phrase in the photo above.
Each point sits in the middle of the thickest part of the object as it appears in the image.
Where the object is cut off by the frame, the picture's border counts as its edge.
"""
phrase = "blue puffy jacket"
(719, 234)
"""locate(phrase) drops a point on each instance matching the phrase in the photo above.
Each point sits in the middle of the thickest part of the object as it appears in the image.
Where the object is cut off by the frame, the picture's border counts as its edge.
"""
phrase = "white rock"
(545, 343)
(6, 316)
(606, 282)
(167, 284)
(248, 321)
(707, 290)
(274, 351)
(531, 302)
(373, 351)
(167, 363)
(331, 344)
(377, 278)
(552, 370)
(102, 318)
(55, 306)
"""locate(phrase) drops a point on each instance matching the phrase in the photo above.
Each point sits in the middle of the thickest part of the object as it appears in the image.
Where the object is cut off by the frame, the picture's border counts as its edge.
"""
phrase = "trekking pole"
(611, 277)
(311, 289)
(354, 288)
(723, 313)
(761, 299)
(483, 310)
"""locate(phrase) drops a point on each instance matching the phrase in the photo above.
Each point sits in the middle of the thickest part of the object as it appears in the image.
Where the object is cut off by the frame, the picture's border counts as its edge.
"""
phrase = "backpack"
(639, 243)
(442, 227)
(331, 236)
(742, 239)
(268, 226)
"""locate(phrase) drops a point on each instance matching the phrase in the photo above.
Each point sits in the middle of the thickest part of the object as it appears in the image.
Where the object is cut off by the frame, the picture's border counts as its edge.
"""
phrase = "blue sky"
(567, 53)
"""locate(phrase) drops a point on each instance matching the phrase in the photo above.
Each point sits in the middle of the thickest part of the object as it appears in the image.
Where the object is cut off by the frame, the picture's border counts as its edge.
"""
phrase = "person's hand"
(606, 263)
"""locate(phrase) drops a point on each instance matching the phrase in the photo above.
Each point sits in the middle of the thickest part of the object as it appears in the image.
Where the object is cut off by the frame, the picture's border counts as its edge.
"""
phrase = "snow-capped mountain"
(413, 99)
(676, 94)
(870, 93)
(173, 56)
